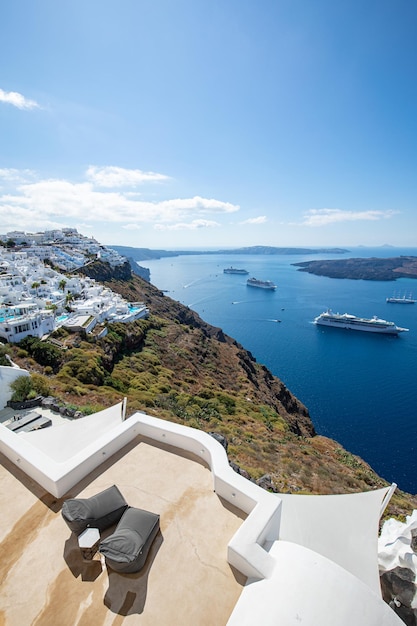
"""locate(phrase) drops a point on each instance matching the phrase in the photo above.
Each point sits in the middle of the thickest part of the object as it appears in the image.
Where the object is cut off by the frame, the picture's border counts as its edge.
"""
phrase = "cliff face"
(213, 357)
(137, 269)
(287, 448)
(102, 271)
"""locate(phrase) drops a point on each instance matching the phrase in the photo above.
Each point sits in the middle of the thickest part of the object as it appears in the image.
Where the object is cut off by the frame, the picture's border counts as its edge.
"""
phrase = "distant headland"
(144, 254)
(363, 269)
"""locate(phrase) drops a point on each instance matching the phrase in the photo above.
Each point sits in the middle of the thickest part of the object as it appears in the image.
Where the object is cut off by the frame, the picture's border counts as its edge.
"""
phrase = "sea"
(360, 388)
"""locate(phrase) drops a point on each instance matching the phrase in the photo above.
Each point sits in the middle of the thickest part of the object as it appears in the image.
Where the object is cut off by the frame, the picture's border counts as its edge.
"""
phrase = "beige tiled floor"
(186, 580)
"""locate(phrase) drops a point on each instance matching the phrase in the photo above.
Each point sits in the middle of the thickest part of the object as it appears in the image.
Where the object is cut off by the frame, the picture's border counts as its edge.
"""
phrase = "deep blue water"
(360, 388)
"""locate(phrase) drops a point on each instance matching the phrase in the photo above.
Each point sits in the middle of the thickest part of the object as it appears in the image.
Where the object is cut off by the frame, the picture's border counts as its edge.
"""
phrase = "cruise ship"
(262, 284)
(401, 299)
(234, 270)
(351, 322)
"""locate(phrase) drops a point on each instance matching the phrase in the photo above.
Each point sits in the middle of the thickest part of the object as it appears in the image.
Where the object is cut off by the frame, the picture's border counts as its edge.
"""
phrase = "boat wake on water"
(192, 304)
(209, 278)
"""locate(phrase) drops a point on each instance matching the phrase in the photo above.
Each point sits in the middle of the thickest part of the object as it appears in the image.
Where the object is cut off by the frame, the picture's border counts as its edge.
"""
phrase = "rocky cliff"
(176, 366)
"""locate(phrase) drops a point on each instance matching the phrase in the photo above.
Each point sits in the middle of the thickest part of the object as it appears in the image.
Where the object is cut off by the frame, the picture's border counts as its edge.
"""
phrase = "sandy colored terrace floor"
(186, 579)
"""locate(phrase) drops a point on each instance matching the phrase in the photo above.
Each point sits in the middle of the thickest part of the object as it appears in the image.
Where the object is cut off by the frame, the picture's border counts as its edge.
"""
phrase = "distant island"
(373, 268)
(145, 254)
(363, 269)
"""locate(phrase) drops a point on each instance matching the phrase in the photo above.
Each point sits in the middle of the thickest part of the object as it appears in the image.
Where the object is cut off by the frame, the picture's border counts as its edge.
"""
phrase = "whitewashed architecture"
(36, 299)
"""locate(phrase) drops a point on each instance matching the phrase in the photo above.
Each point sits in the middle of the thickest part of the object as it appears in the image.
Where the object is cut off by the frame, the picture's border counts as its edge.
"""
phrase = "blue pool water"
(360, 388)
(61, 318)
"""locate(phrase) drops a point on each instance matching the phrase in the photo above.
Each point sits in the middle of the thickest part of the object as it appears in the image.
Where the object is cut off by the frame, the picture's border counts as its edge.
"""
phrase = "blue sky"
(194, 123)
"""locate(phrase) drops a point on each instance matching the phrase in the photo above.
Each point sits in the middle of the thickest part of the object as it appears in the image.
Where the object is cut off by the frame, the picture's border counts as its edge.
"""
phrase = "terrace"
(186, 579)
(228, 551)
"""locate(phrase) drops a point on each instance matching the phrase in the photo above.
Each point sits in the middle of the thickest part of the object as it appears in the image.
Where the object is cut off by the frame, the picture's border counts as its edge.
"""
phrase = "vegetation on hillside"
(175, 366)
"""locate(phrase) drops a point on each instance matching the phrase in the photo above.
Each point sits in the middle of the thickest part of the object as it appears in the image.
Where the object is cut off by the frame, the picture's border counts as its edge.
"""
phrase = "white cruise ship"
(262, 284)
(401, 299)
(351, 322)
(234, 270)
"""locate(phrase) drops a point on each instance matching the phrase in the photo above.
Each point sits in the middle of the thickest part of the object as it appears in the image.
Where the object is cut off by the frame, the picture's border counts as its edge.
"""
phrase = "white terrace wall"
(246, 549)
(58, 478)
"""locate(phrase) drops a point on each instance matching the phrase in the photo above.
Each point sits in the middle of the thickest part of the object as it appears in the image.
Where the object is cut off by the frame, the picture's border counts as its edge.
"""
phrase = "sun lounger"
(127, 548)
(100, 511)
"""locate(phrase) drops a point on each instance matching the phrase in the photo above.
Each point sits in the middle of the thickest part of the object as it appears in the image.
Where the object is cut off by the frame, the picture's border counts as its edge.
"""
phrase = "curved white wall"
(287, 583)
(245, 550)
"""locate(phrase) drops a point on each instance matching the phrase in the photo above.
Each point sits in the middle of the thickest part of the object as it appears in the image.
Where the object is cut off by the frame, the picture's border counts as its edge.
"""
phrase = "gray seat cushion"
(127, 548)
(100, 511)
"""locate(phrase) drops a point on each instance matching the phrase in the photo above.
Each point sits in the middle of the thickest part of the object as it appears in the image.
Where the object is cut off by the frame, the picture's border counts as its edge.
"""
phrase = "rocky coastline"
(363, 268)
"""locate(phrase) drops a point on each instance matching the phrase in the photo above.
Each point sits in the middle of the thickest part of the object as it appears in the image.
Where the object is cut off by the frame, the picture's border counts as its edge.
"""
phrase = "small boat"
(262, 284)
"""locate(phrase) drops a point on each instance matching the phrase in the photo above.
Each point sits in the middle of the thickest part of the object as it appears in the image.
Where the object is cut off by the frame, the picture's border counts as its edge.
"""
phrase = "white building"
(18, 322)
(32, 291)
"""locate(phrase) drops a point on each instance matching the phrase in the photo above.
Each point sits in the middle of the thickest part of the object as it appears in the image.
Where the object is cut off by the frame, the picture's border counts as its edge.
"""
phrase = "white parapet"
(246, 550)
(288, 583)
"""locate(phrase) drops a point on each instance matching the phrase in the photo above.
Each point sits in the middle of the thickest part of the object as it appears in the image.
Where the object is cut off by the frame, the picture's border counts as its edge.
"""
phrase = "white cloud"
(194, 225)
(112, 176)
(199, 205)
(45, 203)
(255, 220)
(323, 217)
(17, 100)
(12, 175)
(132, 227)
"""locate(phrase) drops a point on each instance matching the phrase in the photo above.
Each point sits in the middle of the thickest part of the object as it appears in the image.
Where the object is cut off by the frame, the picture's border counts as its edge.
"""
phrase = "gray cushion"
(127, 548)
(100, 511)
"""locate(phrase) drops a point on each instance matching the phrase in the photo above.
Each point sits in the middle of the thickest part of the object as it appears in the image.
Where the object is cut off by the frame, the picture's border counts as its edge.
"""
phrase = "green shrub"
(21, 387)
(3, 352)
(145, 397)
(228, 402)
(40, 384)
(43, 352)
(89, 409)
(86, 368)
(115, 383)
